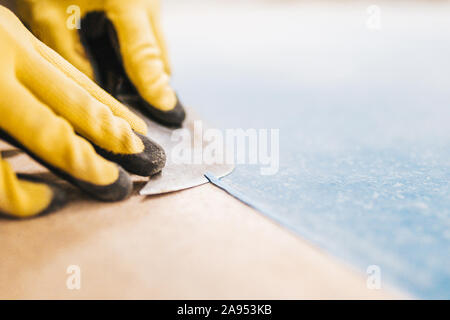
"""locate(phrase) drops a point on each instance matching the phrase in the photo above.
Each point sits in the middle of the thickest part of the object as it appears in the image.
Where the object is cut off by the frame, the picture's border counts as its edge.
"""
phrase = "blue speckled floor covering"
(364, 119)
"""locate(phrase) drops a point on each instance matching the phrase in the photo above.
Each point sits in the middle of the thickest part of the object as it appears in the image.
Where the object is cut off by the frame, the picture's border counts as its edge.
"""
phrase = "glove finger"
(104, 49)
(20, 198)
(49, 139)
(112, 136)
(141, 56)
(51, 28)
(155, 20)
(92, 88)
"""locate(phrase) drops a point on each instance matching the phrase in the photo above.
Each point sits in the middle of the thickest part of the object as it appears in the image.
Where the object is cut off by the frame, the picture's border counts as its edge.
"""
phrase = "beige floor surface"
(195, 244)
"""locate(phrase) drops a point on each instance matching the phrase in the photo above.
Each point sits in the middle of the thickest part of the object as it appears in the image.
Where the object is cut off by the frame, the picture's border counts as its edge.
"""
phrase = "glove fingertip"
(140, 126)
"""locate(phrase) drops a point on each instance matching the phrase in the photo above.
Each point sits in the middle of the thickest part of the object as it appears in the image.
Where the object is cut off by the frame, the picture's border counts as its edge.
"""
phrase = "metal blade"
(176, 176)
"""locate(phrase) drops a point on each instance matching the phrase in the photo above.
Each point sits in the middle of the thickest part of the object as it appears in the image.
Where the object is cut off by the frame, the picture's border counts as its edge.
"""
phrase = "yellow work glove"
(44, 100)
(119, 43)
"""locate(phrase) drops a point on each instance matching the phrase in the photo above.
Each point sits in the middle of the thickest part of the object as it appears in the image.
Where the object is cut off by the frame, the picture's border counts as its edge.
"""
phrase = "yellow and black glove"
(119, 44)
(50, 109)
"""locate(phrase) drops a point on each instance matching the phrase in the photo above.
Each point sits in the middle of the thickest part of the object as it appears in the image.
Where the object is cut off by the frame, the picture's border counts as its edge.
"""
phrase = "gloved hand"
(44, 100)
(120, 45)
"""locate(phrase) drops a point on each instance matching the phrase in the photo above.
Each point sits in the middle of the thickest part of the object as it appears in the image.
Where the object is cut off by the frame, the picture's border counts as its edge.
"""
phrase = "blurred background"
(360, 93)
